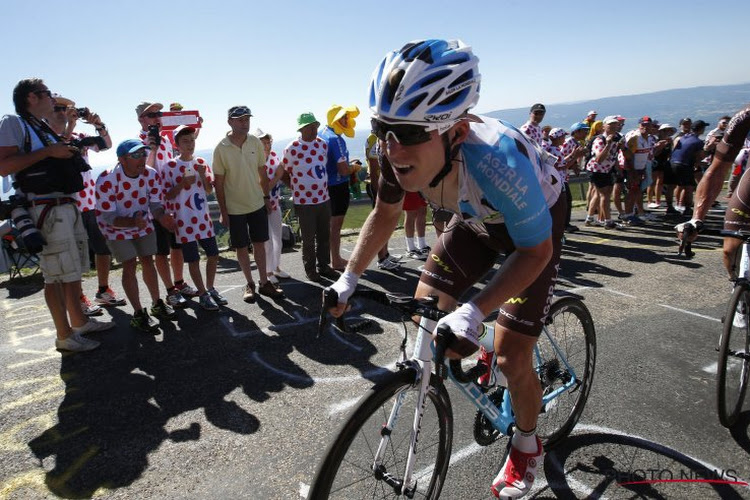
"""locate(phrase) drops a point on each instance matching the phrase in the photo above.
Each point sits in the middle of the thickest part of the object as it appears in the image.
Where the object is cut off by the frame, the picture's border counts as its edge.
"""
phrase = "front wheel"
(347, 470)
(734, 357)
(571, 329)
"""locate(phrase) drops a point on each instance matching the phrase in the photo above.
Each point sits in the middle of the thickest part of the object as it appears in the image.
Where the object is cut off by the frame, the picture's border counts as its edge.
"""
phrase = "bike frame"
(501, 418)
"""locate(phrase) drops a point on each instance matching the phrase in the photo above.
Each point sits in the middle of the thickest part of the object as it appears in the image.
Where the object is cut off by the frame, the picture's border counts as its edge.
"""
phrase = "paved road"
(241, 403)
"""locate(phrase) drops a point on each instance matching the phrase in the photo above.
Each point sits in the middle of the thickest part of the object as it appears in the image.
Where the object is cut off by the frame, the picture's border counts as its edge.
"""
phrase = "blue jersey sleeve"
(511, 186)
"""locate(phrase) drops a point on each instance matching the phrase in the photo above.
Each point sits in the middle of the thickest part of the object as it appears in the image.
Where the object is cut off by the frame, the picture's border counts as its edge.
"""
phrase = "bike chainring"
(484, 433)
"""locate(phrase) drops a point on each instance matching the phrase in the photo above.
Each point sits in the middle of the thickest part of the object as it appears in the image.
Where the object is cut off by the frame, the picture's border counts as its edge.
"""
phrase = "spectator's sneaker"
(93, 325)
(281, 274)
(217, 297)
(249, 295)
(570, 228)
(207, 302)
(108, 298)
(161, 310)
(415, 254)
(425, 251)
(270, 290)
(90, 309)
(175, 299)
(654, 205)
(314, 277)
(273, 279)
(740, 316)
(672, 211)
(485, 381)
(76, 343)
(634, 220)
(610, 224)
(388, 264)
(590, 223)
(518, 473)
(329, 273)
(186, 290)
(143, 322)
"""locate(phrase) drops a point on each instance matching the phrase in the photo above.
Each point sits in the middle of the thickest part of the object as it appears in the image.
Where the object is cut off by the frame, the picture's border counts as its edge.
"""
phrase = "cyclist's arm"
(726, 151)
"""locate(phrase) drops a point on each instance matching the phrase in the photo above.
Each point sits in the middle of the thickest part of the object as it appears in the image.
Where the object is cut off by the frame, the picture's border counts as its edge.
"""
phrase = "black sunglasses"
(60, 108)
(47, 92)
(154, 114)
(405, 134)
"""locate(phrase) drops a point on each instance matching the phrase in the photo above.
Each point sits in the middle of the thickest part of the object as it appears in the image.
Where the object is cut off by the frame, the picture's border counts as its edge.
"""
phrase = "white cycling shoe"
(518, 473)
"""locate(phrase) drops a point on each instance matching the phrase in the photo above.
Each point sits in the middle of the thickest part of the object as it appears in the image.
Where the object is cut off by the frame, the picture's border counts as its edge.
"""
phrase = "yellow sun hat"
(336, 113)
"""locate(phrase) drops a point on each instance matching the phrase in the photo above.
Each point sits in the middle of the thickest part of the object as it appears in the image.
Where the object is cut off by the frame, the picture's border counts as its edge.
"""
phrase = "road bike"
(733, 370)
(398, 439)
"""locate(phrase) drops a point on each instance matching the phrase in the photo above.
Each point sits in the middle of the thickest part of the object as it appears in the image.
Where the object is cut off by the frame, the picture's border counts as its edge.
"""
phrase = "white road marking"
(691, 313)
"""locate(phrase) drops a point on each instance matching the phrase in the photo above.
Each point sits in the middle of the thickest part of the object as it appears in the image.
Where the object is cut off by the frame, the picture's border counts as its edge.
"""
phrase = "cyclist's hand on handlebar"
(466, 324)
(344, 287)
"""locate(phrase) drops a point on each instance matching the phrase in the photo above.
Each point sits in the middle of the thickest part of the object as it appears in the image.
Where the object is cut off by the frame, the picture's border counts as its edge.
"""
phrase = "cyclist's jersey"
(503, 179)
(737, 216)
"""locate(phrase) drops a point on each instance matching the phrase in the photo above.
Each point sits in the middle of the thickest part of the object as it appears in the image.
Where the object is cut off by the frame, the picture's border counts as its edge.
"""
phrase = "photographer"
(63, 122)
(48, 172)
(160, 153)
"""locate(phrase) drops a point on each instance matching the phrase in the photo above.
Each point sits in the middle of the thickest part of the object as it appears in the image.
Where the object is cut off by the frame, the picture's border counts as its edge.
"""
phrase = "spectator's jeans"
(314, 224)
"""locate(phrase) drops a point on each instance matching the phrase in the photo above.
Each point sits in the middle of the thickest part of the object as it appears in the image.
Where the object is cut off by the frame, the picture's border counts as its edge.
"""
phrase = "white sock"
(421, 243)
(525, 442)
(410, 244)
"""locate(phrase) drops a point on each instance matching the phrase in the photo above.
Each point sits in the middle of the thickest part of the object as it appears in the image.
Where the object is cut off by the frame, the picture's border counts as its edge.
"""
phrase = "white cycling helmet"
(429, 81)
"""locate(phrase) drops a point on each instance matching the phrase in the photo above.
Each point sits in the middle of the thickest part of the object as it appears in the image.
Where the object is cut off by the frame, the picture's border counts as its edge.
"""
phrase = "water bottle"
(487, 340)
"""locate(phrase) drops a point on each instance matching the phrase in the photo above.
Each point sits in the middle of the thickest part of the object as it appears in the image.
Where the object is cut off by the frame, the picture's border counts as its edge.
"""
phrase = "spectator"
(128, 199)
(275, 173)
(188, 181)
(664, 176)
(590, 118)
(739, 167)
(686, 157)
(160, 152)
(305, 161)
(28, 145)
(340, 121)
(601, 165)
(355, 166)
(63, 122)
(532, 128)
(386, 261)
(545, 137)
(640, 146)
(572, 151)
(244, 199)
(712, 139)
(415, 222)
(620, 170)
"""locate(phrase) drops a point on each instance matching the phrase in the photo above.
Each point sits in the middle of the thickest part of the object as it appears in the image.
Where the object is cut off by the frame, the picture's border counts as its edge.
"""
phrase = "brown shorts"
(465, 253)
(737, 216)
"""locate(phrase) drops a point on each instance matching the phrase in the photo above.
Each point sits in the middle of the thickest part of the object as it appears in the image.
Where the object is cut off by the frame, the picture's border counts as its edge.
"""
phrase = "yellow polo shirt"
(239, 166)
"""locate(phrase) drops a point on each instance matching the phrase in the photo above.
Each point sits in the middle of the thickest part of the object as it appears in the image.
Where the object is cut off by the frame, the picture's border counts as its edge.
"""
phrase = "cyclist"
(504, 193)
(712, 182)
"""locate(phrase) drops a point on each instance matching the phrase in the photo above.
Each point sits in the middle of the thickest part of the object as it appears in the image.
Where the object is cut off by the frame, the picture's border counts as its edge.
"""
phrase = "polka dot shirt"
(190, 206)
(306, 164)
(123, 196)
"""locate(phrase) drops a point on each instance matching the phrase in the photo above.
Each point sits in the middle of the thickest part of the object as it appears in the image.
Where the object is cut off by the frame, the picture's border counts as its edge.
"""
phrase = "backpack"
(589, 153)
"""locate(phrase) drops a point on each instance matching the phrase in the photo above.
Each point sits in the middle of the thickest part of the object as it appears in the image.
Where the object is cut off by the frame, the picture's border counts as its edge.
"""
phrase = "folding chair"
(19, 256)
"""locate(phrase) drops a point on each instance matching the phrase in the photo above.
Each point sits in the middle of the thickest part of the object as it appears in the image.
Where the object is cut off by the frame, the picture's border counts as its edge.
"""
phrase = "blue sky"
(282, 58)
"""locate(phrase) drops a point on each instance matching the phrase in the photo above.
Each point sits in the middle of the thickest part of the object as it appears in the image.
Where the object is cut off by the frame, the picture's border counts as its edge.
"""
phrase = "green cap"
(306, 119)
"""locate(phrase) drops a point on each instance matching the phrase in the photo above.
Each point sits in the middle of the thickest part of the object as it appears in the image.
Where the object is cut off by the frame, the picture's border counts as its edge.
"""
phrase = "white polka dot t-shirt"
(306, 164)
(123, 196)
(190, 206)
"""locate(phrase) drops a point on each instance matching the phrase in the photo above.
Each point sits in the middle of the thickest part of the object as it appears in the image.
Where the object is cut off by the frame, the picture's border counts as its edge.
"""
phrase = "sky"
(282, 58)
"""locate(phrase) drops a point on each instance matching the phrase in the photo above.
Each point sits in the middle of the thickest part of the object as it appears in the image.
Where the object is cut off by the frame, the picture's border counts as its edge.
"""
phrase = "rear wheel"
(734, 357)
(570, 325)
(347, 472)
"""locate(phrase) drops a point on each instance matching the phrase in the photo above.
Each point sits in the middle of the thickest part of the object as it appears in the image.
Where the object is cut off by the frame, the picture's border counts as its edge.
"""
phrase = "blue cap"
(579, 126)
(129, 146)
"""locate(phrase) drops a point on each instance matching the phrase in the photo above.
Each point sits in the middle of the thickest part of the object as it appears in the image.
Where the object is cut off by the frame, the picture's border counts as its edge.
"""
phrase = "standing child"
(187, 182)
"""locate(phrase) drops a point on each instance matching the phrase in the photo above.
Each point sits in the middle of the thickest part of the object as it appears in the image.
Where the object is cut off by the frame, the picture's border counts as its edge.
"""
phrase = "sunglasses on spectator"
(153, 114)
(407, 134)
(141, 153)
(46, 92)
(60, 108)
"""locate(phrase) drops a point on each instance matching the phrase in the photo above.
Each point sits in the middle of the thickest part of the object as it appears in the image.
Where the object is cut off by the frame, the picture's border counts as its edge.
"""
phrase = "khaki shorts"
(66, 253)
(125, 250)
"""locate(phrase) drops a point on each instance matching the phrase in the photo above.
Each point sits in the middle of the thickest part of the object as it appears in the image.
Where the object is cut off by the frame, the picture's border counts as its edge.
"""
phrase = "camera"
(82, 112)
(87, 142)
(14, 208)
(153, 131)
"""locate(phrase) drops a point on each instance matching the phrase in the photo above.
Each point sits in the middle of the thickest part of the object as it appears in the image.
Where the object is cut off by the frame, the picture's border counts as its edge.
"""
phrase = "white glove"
(465, 322)
(696, 224)
(345, 286)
